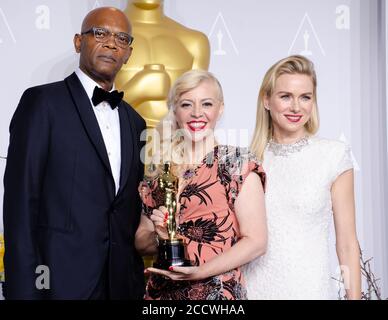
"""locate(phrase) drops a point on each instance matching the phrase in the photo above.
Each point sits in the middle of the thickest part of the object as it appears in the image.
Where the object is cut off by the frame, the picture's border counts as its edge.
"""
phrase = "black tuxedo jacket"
(60, 207)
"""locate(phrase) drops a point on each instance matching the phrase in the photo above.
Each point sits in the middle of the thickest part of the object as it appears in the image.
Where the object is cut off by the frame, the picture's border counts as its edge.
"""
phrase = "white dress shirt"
(109, 123)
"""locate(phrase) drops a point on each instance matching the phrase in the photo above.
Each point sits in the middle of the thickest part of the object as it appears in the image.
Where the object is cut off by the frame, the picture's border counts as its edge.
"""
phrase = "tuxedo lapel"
(88, 118)
(128, 134)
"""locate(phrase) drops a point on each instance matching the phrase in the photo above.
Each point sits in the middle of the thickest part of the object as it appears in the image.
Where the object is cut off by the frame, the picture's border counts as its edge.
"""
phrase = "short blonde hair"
(189, 81)
(168, 134)
(264, 129)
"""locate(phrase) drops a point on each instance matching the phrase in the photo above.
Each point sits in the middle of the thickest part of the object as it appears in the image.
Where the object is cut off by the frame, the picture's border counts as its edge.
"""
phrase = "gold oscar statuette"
(172, 251)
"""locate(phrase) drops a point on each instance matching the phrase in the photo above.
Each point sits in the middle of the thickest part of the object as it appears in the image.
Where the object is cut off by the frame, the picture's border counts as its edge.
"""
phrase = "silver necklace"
(284, 150)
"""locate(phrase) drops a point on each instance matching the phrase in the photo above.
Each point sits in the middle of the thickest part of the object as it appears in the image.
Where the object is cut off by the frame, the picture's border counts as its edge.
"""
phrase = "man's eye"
(100, 33)
(123, 39)
(185, 105)
(207, 104)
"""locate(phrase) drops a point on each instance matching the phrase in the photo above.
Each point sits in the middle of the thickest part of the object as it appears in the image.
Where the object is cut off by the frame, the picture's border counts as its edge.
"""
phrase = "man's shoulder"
(45, 89)
(44, 97)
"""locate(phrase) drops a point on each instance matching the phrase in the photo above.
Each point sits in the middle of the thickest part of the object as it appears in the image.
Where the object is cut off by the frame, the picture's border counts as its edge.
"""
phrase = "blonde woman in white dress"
(310, 183)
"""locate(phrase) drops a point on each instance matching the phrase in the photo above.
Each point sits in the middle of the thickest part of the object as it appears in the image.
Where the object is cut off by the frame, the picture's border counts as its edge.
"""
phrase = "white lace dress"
(299, 213)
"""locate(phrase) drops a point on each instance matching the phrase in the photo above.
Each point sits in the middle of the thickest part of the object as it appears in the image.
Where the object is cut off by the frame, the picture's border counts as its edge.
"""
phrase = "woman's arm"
(342, 194)
(250, 212)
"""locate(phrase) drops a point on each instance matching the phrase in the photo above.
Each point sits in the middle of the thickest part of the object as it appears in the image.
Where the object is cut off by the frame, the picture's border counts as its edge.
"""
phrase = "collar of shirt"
(89, 84)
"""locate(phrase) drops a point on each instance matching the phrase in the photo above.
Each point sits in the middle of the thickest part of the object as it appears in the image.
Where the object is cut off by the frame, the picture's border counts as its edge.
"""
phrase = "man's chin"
(107, 74)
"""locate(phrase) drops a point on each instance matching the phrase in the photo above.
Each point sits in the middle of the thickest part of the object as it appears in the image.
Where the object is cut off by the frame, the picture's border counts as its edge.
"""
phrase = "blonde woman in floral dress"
(221, 213)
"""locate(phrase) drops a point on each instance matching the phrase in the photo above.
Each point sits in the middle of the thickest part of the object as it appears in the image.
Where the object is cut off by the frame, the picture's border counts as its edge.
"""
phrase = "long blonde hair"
(264, 129)
(167, 131)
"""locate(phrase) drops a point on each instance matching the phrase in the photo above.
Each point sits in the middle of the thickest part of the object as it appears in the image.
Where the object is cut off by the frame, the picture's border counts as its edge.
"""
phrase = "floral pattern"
(206, 222)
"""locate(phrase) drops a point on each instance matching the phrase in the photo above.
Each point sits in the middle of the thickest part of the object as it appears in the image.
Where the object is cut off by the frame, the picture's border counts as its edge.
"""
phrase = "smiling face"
(102, 61)
(197, 111)
(291, 105)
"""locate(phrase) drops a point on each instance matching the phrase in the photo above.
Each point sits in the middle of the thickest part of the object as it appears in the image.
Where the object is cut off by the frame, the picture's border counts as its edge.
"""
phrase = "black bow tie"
(113, 98)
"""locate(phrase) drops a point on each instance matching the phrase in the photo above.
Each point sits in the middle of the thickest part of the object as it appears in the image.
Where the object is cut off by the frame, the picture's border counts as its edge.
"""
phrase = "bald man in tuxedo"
(70, 187)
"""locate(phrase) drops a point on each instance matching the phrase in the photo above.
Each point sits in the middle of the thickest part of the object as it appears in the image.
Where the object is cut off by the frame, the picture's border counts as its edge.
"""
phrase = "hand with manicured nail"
(159, 218)
(180, 273)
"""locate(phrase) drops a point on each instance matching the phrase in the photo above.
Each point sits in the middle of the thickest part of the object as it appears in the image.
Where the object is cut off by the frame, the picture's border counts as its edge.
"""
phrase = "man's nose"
(111, 42)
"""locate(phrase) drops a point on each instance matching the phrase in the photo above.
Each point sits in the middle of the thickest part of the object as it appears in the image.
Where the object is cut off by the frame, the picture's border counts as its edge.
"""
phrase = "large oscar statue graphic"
(172, 251)
(163, 50)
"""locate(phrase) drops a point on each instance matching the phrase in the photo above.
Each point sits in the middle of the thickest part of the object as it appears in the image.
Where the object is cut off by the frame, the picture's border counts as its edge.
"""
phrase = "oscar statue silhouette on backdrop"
(163, 50)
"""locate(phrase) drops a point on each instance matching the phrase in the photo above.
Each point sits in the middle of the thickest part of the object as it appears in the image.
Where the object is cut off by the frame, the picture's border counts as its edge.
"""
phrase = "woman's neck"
(287, 138)
(195, 152)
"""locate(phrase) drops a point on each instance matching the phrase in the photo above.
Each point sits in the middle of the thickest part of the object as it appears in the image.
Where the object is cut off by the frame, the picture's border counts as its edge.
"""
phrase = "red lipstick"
(196, 125)
(294, 118)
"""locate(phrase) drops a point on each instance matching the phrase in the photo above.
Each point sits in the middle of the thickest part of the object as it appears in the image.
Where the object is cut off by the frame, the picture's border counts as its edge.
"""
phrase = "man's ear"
(129, 55)
(77, 43)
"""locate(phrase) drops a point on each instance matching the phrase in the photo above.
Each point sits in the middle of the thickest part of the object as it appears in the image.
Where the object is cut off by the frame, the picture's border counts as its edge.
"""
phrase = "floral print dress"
(207, 223)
